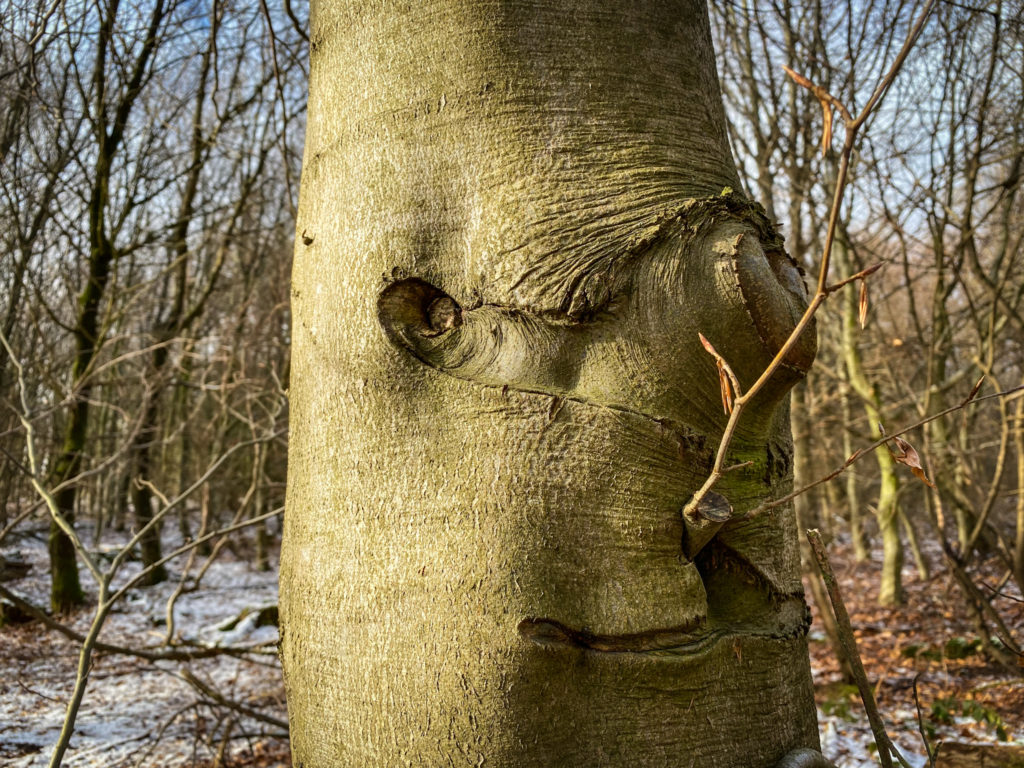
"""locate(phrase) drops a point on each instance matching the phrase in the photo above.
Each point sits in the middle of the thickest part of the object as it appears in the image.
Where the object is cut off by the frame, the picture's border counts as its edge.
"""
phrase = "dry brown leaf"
(862, 305)
(828, 114)
(827, 107)
(724, 382)
(906, 454)
(726, 387)
(922, 476)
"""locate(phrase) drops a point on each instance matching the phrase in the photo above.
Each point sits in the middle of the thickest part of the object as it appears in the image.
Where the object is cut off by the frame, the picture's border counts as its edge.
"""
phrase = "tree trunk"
(512, 228)
(858, 536)
(1018, 544)
(142, 496)
(887, 512)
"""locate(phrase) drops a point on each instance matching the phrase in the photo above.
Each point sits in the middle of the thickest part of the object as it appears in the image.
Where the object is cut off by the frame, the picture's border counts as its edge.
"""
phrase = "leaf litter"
(930, 638)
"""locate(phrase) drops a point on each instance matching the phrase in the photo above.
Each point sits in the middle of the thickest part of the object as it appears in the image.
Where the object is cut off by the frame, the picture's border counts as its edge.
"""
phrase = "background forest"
(149, 168)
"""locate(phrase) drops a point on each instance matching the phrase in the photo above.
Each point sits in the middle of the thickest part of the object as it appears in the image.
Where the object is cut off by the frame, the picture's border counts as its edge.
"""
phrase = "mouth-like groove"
(667, 642)
(741, 604)
(551, 632)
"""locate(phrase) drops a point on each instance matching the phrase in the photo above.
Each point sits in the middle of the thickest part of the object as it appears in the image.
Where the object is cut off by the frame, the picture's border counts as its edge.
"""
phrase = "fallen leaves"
(915, 639)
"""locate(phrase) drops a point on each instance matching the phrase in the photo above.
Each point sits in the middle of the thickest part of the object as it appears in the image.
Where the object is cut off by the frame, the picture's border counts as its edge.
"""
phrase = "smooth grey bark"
(514, 221)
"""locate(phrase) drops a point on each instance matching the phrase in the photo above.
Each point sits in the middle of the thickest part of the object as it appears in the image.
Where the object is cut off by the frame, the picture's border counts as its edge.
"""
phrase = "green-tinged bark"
(890, 589)
(512, 228)
(858, 535)
(1018, 445)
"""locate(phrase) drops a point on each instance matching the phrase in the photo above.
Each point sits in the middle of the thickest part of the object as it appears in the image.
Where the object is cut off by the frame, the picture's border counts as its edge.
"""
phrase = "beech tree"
(516, 220)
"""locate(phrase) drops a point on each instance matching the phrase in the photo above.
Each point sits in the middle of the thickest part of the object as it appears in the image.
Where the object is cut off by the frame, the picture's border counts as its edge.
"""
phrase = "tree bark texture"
(514, 221)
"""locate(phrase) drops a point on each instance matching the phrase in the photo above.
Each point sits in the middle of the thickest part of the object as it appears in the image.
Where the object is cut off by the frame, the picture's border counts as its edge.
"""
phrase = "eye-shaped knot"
(414, 307)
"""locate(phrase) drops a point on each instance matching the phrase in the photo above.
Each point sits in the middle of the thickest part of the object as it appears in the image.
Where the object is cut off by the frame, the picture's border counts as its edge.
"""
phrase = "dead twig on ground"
(886, 749)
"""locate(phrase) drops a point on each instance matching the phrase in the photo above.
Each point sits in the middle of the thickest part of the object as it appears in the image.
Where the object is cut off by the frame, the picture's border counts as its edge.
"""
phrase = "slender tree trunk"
(890, 587)
(858, 536)
(180, 451)
(890, 590)
(259, 479)
(142, 497)
(513, 226)
(1018, 544)
(65, 588)
(808, 514)
(920, 562)
(179, 317)
(110, 118)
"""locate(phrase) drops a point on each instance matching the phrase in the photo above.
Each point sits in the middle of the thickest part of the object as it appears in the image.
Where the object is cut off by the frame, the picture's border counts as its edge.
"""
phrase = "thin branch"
(296, 24)
(862, 452)
(194, 543)
(217, 697)
(920, 725)
(24, 416)
(178, 654)
(126, 550)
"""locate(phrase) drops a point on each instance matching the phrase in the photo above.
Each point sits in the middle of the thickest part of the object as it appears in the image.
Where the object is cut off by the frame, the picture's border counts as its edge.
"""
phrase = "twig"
(885, 747)
(25, 513)
(823, 289)
(194, 543)
(920, 725)
(217, 697)
(144, 653)
(203, 652)
(34, 692)
(165, 510)
(24, 415)
(862, 452)
(155, 740)
(853, 278)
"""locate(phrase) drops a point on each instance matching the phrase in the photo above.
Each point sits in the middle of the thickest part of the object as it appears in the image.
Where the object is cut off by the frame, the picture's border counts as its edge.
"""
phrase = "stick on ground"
(885, 747)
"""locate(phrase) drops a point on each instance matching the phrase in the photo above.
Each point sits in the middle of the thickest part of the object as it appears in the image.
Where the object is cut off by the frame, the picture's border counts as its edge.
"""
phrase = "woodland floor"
(138, 713)
(930, 639)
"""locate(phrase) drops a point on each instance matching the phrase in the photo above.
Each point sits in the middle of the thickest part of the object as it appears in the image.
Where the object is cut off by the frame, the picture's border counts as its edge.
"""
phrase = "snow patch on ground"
(135, 712)
(850, 744)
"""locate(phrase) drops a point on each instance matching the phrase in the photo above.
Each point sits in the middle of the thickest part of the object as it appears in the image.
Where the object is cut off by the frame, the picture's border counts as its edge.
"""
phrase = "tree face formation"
(628, 325)
(520, 220)
(555, 320)
(540, 506)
